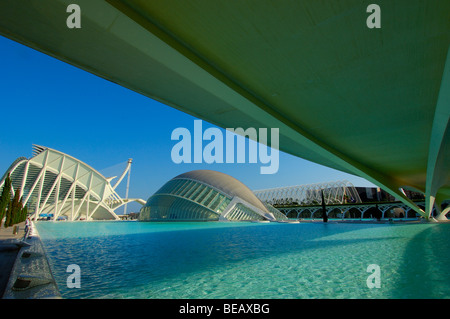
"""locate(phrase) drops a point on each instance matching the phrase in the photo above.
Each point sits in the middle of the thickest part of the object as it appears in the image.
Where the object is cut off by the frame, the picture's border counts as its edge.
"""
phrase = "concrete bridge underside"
(370, 102)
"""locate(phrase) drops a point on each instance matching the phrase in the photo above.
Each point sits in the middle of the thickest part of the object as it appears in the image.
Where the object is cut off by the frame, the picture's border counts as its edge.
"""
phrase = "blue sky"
(48, 102)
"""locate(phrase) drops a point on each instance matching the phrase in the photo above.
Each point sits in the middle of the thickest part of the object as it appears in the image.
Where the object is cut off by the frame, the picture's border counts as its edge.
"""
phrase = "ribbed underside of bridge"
(370, 102)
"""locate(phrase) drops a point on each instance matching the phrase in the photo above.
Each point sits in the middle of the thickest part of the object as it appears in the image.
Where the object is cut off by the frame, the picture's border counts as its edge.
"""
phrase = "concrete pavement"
(8, 252)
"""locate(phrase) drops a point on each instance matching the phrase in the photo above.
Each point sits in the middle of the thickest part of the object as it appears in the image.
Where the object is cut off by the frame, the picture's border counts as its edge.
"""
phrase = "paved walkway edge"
(31, 276)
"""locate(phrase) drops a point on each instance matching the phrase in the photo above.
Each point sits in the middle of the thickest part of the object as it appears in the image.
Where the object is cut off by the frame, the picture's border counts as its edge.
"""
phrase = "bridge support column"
(440, 213)
(439, 152)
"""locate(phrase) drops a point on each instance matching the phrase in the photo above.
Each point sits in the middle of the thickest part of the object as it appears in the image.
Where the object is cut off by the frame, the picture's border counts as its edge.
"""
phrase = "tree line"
(12, 209)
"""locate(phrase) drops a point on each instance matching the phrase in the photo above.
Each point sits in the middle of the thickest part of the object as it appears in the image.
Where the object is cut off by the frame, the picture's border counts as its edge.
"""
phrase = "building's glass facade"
(185, 199)
(204, 196)
(242, 212)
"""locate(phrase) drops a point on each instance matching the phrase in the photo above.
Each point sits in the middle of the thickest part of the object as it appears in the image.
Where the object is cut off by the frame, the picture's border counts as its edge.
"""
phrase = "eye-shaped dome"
(206, 195)
(225, 183)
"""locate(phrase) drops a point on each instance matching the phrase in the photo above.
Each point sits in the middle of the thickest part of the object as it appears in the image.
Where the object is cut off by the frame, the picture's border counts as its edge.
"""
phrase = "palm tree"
(14, 210)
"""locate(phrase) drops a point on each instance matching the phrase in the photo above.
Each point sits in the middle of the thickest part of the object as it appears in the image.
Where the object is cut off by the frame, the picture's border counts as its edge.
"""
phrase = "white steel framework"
(60, 186)
(359, 210)
(339, 192)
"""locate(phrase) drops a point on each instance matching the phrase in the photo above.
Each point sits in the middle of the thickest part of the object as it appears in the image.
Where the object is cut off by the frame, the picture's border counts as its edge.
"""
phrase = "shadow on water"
(426, 265)
(138, 259)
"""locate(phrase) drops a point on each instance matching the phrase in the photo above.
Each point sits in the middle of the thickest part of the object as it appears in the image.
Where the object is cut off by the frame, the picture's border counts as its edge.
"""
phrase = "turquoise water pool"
(249, 260)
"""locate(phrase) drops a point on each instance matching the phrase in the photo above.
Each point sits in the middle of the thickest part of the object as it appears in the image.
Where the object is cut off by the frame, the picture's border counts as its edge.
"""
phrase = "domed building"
(206, 195)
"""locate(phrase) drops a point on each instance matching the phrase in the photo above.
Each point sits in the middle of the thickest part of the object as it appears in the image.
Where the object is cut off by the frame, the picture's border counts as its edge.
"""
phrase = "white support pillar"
(128, 187)
(41, 186)
(83, 200)
(442, 213)
(38, 179)
(52, 188)
(89, 196)
(24, 178)
(58, 212)
(130, 160)
(34, 186)
(438, 162)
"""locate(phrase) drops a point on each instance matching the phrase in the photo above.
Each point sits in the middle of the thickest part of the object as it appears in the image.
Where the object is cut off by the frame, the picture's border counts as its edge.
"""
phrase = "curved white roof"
(206, 195)
(225, 183)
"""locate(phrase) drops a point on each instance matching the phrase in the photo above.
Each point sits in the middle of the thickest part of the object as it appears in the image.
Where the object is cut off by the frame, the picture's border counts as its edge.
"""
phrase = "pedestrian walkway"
(8, 252)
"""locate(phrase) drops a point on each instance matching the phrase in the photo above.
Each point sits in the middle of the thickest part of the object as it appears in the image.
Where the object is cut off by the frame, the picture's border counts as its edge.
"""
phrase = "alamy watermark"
(73, 21)
(74, 279)
(374, 279)
(373, 21)
(228, 149)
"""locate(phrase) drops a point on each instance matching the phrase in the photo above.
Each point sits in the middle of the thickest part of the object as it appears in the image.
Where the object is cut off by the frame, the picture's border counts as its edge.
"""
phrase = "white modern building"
(206, 195)
(337, 192)
(57, 185)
